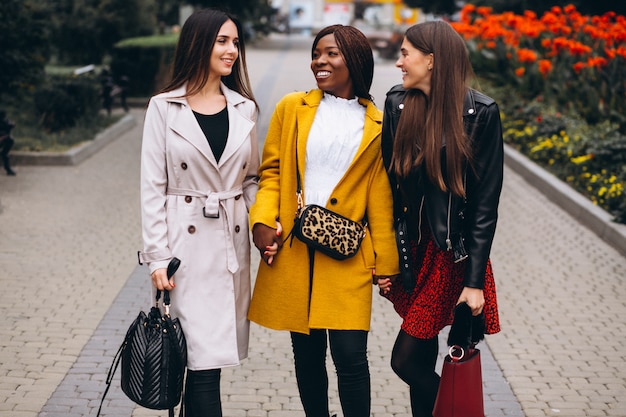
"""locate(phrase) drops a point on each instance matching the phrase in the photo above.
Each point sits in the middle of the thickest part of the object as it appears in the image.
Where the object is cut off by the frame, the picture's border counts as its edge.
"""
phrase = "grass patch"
(30, 137)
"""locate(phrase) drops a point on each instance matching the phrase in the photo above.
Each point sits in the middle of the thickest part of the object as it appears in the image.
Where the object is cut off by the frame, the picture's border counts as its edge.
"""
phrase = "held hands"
(474, 298)
(160, 281)
(384, 282)
(267, 240)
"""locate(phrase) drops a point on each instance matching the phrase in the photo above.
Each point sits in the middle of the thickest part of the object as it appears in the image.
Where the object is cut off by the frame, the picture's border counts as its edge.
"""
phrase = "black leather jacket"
(466, 226)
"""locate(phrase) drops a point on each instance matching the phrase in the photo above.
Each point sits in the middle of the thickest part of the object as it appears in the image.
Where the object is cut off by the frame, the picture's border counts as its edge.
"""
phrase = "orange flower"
(491, 45)
(520, 71)
(469, 8)
(570, 8)
(526, 55)
(597, 61)
(545, 66)
(578, 67)
(483, 11)
(577, 48)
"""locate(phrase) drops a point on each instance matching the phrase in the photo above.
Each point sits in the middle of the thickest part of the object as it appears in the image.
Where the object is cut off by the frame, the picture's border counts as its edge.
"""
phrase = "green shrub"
(145, 61)
(62, 100)
(589, 157)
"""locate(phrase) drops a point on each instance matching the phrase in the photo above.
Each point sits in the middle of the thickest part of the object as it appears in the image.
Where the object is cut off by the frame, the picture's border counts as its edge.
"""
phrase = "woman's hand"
(384, 282)
(160, 281)
(267, 240)
(474, 298)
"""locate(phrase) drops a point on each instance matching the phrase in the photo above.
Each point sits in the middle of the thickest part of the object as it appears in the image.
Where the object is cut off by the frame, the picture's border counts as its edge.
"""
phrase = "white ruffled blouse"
(333, 141)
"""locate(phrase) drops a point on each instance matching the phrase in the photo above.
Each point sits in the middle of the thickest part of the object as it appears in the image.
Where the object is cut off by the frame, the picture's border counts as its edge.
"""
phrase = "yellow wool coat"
(340, 297)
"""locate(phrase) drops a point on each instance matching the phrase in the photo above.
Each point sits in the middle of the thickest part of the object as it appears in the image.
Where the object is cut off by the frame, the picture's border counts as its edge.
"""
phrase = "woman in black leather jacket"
(442, 146)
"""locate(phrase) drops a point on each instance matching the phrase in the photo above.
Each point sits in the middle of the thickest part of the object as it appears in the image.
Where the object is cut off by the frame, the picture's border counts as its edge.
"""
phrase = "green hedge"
(145, 61)
(63, 100)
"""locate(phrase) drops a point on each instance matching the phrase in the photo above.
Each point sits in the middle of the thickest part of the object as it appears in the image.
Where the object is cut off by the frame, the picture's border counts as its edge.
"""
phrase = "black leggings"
(5, 147)
(202, 394)
(348, 349)
(414, 360)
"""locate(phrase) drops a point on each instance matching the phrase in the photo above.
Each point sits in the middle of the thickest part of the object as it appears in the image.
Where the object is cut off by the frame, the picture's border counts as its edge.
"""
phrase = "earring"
(430, 68)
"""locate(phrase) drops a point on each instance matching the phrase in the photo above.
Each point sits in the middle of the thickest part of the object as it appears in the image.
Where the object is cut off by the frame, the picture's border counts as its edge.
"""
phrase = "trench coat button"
(237, 197)
(333, 201)
(191, 229)
(188, 199)
(183, 165)
(237, 229)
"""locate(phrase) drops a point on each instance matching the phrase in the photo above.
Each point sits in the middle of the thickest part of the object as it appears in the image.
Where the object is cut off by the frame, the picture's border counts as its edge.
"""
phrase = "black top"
(215, 128)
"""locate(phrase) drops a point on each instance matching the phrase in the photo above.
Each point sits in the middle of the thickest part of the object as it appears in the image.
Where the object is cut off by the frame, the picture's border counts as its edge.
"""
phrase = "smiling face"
(225, 50)
(330, 70)
(416, 67)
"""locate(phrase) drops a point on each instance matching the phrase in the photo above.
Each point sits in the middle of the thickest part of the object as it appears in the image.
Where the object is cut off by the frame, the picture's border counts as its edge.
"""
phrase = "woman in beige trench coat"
(199, 166)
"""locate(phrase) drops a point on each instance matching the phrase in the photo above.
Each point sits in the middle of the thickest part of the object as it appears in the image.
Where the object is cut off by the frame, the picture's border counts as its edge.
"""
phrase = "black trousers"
(202, 394)
(348, 349)
(414, 360)
(5, 147)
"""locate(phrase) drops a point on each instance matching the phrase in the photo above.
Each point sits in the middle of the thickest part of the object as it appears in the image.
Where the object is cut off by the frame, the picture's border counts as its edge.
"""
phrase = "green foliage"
(85, 31)
(590, 158)
(157, 41)
(255, 15)
(23, 45)
(237, 7)
(145, 61)
(166, 13)
(29, 133)
(440, 7)
(62, 101)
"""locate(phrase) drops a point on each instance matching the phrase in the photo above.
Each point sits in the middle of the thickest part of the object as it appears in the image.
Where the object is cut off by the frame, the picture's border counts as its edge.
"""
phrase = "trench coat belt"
(212, 203)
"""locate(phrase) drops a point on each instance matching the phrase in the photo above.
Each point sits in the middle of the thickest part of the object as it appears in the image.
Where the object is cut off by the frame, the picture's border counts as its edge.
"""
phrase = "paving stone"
(68, 255)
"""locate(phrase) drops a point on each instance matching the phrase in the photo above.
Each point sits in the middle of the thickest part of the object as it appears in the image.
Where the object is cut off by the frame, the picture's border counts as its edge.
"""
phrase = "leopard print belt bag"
(328, 232)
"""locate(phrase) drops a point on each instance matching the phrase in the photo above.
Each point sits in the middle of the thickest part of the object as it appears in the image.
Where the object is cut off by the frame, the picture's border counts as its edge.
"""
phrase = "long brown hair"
(427, 123)
(357, 53)
(193, 54)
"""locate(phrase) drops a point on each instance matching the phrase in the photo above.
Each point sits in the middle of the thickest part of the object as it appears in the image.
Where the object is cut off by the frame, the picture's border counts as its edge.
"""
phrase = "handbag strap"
(298, 178)
(172, 267)
(299, 191)
(112, 369)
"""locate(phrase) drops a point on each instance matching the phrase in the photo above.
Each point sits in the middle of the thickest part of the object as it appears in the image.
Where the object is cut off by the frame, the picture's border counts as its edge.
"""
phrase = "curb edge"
(79, 153)
(581, 208)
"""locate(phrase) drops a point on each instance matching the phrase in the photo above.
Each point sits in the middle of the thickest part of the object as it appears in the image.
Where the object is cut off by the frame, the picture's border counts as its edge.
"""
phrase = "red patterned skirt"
(439, 282)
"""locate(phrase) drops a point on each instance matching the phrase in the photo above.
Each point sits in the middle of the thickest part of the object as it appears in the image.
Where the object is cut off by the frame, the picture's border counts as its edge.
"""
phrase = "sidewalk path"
(68, 238)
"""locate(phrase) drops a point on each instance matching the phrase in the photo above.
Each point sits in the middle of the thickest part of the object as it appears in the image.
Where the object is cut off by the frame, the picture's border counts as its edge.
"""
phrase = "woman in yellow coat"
(337, 131)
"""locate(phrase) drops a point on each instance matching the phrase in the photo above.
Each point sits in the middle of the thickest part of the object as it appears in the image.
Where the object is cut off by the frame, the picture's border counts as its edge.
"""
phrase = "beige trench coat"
(197, 210)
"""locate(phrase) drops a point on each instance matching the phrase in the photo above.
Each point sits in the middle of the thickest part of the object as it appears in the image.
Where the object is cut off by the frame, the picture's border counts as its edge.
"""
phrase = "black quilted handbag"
(153, 357)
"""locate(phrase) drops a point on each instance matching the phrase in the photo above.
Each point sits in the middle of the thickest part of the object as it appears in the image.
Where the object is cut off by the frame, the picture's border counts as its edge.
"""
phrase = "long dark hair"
(429, 122)
(357, 53)
(193, 54)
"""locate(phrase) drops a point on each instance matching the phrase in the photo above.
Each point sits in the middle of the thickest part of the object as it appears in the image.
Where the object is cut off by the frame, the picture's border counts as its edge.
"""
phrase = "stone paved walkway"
(68, 238)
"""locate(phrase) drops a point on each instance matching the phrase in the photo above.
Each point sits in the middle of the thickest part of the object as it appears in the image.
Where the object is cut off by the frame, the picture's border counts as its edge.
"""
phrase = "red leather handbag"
(461, 386)
(460, 391)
